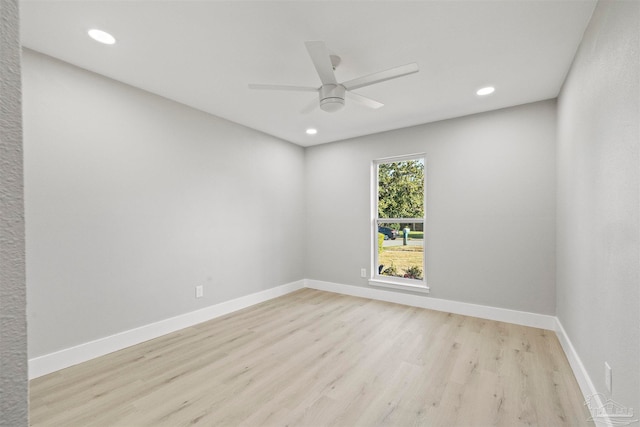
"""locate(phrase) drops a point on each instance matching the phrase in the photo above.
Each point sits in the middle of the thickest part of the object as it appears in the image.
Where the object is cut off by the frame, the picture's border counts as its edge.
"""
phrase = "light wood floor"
(313, 358)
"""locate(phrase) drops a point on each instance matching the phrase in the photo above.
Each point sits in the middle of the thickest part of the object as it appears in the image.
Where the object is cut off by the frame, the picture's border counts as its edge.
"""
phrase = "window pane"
(401, 189)
(401, 250)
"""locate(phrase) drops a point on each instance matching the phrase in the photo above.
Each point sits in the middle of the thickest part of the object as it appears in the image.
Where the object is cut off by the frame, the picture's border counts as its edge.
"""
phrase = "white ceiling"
(204, 53)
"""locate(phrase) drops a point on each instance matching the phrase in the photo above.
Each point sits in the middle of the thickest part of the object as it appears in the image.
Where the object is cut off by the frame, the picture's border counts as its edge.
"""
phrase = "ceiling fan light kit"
(332, 98)
(332, 94)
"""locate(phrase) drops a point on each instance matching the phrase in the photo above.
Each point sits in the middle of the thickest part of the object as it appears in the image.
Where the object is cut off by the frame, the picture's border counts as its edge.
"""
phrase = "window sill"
(397, 284)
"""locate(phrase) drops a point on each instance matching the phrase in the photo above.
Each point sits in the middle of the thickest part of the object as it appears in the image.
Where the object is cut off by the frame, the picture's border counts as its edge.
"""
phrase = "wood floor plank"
(313, 358)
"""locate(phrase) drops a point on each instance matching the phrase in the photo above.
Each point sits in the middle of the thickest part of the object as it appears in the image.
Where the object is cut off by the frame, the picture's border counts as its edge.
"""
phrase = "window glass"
(399, 220)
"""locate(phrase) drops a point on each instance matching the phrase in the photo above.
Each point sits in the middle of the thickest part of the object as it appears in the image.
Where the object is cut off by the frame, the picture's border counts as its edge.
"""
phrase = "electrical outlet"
(199, 291)
(607, 376)
(363, 272)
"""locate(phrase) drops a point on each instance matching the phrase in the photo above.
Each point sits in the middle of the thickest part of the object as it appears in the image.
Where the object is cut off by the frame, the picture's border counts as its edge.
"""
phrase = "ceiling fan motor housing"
(332, 97)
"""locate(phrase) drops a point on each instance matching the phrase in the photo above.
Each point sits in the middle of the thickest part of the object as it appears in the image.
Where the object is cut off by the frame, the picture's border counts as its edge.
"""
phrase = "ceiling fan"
(331, 92)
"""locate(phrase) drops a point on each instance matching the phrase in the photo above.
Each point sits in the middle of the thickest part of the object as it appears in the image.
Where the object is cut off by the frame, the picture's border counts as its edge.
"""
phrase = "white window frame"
(388, 281)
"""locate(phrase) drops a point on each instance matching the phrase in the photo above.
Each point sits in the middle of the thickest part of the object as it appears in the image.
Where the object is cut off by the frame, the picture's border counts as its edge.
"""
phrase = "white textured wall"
(598, 298)
(490, 231)
(132, 200)
(13, 328)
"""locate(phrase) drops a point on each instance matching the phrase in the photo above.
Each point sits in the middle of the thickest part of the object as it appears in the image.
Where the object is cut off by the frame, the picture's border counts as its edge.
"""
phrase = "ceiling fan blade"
(363, 100)
(320, 57)
(381, 76)
(283, 87)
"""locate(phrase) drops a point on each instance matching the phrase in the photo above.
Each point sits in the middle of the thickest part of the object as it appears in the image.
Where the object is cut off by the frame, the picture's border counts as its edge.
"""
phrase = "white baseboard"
(52, 362)
(524, 318)
(589, 391)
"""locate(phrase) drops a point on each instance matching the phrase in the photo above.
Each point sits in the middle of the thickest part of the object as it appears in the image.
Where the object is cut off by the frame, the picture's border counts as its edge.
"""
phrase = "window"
(398, 224)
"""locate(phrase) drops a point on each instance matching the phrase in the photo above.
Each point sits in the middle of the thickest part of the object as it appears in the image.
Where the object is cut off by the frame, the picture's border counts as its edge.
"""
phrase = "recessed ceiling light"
(312, 131)
(486, 91)
(101, 36)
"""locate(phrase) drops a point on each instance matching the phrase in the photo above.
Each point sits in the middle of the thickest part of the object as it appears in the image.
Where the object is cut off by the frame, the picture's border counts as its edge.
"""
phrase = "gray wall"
(13, 326)
(132, 200)
(490, 231)
(598, 200)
